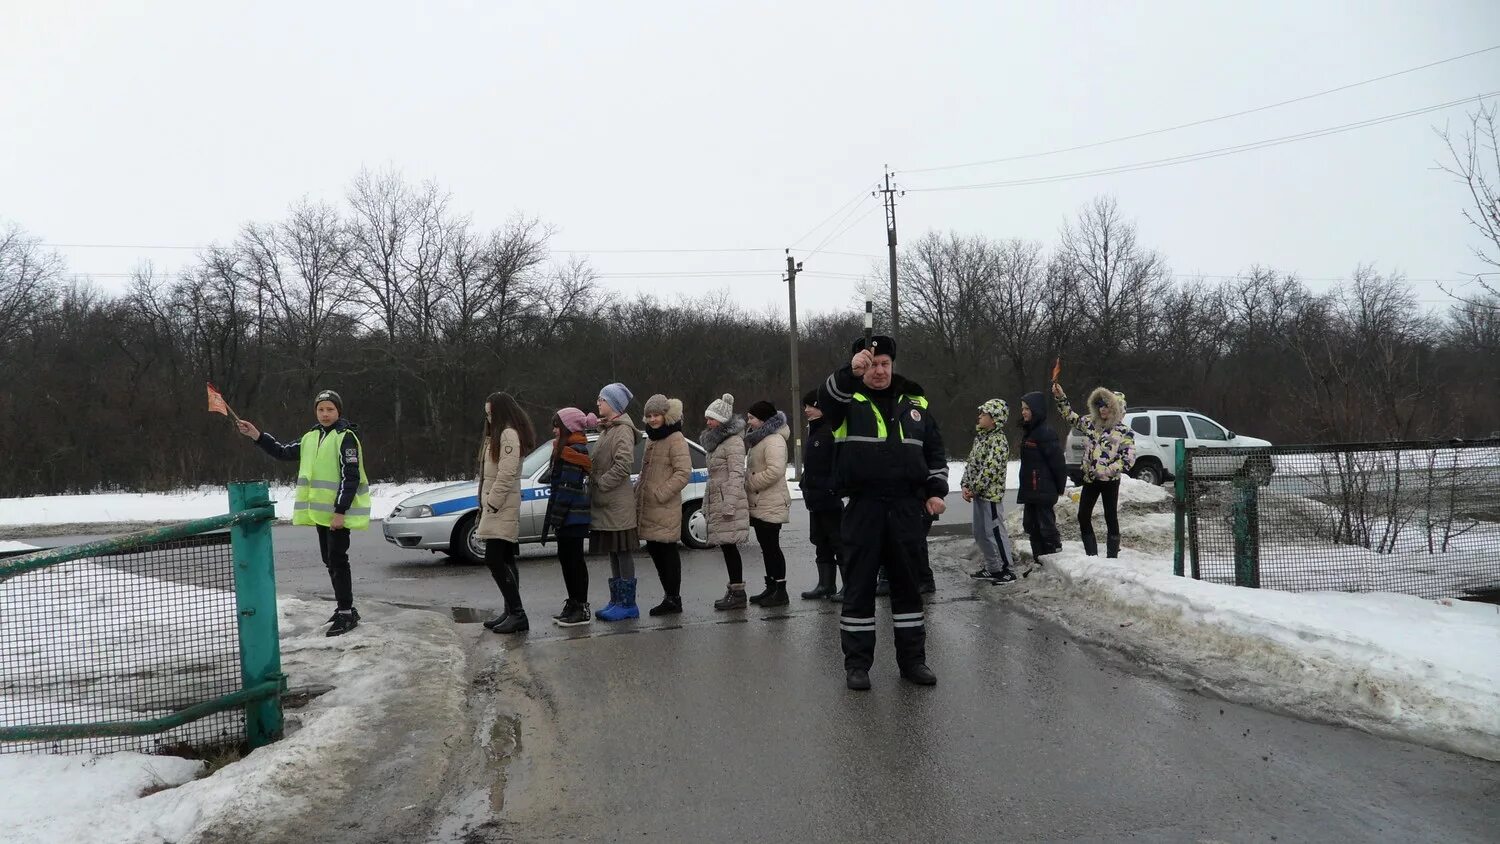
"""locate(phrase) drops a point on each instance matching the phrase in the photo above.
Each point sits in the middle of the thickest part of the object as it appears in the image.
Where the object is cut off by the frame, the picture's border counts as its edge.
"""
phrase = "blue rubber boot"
(614, 599)
(626, 608)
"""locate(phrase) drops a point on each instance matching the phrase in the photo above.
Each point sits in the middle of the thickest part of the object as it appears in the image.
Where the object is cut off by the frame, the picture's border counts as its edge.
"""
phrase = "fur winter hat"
(762, 410)
(575, 420)
(998, 410)
(329, 395)
(883, 345)
(617, 396)
(720, 409)
(669, 409)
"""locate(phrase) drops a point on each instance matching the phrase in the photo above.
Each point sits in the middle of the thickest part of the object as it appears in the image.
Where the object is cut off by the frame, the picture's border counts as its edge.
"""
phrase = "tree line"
(396, 300)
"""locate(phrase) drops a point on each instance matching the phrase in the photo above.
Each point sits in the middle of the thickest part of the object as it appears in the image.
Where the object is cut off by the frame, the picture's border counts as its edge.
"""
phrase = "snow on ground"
(394, 655)
(82, 641)
(1392, 664)
(108, 507)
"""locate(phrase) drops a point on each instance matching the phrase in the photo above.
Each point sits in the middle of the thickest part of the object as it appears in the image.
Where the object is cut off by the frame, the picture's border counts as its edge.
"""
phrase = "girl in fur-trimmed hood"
(1109, 455)
(666, 470)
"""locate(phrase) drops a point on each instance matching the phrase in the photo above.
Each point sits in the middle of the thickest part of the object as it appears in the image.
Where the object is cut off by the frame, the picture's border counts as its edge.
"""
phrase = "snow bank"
(1393, 664)
(172, 506)
(395, 660)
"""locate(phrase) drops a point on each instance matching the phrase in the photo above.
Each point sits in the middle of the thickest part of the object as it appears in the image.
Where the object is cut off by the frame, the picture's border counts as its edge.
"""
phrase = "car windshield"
(536, 460)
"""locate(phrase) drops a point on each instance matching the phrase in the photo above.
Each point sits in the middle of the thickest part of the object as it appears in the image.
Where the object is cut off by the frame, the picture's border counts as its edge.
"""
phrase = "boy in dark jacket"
(825, 509)
(1043, 476)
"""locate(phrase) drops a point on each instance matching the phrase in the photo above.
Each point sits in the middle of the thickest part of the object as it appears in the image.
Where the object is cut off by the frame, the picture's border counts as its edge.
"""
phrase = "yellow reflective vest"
(320, 474)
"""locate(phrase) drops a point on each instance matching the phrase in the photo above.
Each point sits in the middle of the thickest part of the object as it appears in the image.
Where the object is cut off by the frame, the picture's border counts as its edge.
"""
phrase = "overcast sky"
(739, 126)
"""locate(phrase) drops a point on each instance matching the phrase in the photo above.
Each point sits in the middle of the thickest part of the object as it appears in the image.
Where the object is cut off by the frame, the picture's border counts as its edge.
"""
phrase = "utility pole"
(891, 192)
(794, 410)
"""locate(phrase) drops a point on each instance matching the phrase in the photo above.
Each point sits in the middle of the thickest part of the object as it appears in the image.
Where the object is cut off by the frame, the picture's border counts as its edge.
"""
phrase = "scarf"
(576, 457)
(664, 431)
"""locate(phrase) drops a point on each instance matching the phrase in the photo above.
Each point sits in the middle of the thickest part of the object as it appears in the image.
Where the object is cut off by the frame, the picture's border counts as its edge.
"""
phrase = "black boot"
(343, 622)
(843, 576)
(919, 673)
(670, 605)
(1090, 543)
(827, 574)
(734, 599)
(857, 679)
(770, 590)
(515, 621)
(1112, 545)
(778, 596)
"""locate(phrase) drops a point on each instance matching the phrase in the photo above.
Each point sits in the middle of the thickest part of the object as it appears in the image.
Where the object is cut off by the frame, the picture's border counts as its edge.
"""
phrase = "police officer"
(889, 460)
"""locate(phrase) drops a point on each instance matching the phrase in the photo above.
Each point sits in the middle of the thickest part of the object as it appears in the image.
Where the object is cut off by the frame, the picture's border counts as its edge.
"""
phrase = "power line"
(825, 220)
(1204, 120)
(834, 239)
(1213, 153)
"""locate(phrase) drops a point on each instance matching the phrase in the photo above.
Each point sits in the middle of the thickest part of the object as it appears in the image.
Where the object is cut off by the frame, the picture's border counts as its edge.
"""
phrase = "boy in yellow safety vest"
(333, 493)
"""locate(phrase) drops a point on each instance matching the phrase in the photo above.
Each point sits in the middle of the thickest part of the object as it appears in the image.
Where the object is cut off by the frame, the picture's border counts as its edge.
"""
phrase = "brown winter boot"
(734, 599)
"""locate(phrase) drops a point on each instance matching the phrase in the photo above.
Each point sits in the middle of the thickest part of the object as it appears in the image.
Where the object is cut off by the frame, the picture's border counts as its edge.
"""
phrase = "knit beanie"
(998, 410)
(720, 409)
(329, 395)
(617, 396)
(657, 404)
(762, 410)
(576, 420)
(810, 399)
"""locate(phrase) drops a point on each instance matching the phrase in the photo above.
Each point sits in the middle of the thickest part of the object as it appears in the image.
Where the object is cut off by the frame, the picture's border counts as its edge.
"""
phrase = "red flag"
(216, 403)
(1056, 369)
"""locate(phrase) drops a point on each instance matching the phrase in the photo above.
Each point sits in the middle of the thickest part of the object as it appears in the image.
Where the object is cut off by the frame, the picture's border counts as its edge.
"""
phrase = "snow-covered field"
(116, 507)
(82, 642)
(400, 656)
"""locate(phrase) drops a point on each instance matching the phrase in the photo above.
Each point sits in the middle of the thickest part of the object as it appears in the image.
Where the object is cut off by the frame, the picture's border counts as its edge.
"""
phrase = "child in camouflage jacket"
(984, 486)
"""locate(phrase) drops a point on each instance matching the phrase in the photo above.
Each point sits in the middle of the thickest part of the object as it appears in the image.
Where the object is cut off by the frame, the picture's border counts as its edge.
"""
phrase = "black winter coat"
(818, 488)
(1043, 472)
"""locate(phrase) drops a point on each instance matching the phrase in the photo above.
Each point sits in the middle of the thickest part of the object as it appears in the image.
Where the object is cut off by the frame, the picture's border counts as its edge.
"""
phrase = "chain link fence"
(146, 642)
(1419, 518)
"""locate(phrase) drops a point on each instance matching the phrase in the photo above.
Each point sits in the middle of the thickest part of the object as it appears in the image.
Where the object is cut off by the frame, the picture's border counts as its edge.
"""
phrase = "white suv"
(1157, 430)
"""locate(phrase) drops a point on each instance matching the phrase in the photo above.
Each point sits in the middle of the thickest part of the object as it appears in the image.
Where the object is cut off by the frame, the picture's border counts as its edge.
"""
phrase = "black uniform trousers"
(882, 532)
(333, 545)
(825, 530)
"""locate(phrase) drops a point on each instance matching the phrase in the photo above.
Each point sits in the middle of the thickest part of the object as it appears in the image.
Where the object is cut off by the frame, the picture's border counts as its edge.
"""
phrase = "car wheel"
(694, 526)
(465, 546)
(1148, 473)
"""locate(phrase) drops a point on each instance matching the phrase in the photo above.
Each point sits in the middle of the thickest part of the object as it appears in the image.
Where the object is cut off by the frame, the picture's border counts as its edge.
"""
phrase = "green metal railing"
(251, 516)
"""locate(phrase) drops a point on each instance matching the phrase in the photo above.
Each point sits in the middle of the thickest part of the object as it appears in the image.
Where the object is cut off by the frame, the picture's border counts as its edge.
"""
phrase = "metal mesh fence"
(126, 636)
(1419, 518)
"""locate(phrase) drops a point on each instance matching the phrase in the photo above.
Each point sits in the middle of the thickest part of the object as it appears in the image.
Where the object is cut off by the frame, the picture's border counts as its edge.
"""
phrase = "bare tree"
(1117, 279)
(29, 276)
(1474, 160)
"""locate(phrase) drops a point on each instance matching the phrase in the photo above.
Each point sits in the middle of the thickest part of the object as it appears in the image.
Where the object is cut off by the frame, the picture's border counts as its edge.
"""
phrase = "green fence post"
(255, 599)
(1246, 511)
(1179, 506)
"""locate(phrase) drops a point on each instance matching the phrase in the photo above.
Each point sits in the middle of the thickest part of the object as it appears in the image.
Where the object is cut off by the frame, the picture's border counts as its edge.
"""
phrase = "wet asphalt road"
(711, 727)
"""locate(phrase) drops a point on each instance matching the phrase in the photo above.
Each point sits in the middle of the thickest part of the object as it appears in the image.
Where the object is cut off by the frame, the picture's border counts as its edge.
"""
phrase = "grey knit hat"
(720, 409)
(329, 395)
(657, 404)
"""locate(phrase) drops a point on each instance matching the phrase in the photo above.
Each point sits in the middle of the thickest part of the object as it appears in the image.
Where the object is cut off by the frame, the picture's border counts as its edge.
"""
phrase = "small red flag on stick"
(216, 403)
(1056, 369)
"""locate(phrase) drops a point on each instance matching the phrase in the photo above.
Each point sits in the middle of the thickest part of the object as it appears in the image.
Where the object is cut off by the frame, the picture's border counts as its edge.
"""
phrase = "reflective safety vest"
(319, 475)
(841, 433)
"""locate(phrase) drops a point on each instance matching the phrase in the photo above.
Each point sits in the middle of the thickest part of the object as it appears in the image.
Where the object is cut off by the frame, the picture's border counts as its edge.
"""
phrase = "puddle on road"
(470, 615)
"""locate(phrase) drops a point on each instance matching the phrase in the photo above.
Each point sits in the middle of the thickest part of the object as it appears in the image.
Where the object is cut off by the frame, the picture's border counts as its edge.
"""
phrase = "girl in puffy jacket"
(1109, 455)
(665, 471)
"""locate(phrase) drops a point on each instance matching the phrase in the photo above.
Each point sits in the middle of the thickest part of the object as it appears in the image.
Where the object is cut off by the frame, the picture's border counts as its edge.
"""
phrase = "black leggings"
(733, 564)
(500, 556)
(668, 565)
(574, 569)
(1093, 491)
(768, 535)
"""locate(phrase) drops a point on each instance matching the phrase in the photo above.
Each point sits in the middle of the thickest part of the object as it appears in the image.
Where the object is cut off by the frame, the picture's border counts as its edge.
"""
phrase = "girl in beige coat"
(665, 472)
(612, 511)
(770, 502)
(508, 437)
(726, 505)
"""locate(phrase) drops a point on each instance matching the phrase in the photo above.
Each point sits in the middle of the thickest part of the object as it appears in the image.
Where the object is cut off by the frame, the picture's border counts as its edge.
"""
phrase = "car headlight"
(419, 511)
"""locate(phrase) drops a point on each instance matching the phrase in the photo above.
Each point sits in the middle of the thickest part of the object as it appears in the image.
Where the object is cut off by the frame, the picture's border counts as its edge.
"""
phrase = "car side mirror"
(1230, 434)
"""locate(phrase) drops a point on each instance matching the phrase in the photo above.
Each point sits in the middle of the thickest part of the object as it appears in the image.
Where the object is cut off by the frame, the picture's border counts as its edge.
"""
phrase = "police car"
(446, 518)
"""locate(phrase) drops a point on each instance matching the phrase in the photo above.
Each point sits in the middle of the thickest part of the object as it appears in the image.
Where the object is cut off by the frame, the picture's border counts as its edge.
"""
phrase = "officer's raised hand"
(862, 360)
(936, 506)
(249, 430)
